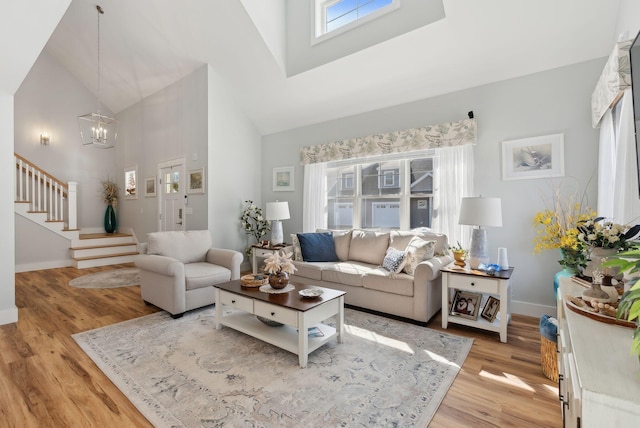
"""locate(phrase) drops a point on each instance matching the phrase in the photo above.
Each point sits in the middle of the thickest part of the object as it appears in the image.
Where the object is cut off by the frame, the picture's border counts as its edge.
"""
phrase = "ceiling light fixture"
(96, 129)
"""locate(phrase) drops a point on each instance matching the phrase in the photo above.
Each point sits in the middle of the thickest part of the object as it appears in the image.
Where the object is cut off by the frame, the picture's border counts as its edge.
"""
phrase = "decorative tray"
(606, 314)
(268, 289)
(254, 280)
(311, 292)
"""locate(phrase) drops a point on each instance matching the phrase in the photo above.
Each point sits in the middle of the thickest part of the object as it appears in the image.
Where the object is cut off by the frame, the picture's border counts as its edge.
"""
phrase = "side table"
(477, 281)
(262, 252)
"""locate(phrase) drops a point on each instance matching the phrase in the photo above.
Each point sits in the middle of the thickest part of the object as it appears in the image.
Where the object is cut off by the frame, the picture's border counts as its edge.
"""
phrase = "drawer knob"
(473, 284)
(273, 313)
(233, 301)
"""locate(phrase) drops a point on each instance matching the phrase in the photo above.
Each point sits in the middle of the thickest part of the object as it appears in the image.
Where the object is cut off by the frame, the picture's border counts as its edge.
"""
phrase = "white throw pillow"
(417, 251)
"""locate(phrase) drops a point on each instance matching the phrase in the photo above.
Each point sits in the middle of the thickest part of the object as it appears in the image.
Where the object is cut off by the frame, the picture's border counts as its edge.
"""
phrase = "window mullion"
(405, 193)
(357, 197)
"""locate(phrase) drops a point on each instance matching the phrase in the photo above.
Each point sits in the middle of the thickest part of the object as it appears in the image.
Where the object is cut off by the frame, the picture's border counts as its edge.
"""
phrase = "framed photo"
(283, 179)
(196, 181)
(466, 304)
(491, 309)
(131, 182)
(150, 187)
(536, 157)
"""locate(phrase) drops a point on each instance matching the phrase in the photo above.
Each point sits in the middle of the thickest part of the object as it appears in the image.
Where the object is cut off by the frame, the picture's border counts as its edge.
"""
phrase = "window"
(331, 15)
(386, 194)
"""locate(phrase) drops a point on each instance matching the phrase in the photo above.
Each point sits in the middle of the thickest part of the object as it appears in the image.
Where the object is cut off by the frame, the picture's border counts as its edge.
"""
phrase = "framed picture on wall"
(196, 181)
(131, 182)
(283, 179)
(535, 157)
(150, 187)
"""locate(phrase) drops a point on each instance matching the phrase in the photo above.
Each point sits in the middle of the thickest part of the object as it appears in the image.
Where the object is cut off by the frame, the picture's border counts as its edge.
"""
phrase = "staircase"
(51, 203)
(102, 249)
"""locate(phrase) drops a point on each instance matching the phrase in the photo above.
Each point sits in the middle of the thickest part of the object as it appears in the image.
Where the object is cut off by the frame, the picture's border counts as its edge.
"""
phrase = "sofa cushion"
(418, 250)
(348, 273)
(297, 251)
(202, 274)
(381, 280)
(342, 241)
(311, 270)
(394, 260)
(317, 247)
(368, 247)
(399, 239)
(188, 246)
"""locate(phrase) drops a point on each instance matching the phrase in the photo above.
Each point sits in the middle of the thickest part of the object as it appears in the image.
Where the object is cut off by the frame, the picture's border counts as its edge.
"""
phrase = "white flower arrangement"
(253, 222)
(278, 262)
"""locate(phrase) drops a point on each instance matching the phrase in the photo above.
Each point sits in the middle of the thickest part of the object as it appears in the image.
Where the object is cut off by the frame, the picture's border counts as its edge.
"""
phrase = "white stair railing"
(45, 193)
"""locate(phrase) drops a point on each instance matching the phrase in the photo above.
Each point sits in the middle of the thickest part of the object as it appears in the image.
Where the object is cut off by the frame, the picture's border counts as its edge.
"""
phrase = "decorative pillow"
(417, 251)
(317, 247)
(297, 251)
(394, 260)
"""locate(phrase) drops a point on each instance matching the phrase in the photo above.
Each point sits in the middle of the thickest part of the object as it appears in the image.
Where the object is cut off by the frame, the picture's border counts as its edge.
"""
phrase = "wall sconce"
(45, 139)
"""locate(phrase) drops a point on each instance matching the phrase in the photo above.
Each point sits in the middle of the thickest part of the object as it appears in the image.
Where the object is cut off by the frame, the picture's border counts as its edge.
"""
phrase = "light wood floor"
(47, 380)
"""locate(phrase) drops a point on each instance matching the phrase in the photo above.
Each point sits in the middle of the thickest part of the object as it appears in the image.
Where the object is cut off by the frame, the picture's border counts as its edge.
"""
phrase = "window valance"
(615, 78)
(428, 137)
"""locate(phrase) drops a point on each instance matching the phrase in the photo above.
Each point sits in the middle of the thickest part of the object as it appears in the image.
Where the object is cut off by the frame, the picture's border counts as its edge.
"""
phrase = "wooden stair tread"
(54, 221)
(124, 244)
(107, 256)
(103, 235)
(37, 212)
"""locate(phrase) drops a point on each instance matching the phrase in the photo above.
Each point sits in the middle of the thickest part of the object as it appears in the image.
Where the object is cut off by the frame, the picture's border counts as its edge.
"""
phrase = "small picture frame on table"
(466, 304)
(490, 309)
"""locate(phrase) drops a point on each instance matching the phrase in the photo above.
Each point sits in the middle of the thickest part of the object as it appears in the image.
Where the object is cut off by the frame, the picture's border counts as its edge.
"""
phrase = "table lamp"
(277, 211)
(479, 211)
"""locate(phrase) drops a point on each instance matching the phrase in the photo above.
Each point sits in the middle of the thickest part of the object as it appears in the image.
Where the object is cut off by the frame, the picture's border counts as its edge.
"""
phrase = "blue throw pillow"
(317, 247)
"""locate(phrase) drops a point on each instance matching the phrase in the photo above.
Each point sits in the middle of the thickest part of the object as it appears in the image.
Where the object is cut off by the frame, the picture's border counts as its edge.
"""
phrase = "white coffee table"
(297, 314)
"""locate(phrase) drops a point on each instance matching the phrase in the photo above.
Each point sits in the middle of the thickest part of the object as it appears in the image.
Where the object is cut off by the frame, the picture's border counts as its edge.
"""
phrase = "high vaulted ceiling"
(149, 44)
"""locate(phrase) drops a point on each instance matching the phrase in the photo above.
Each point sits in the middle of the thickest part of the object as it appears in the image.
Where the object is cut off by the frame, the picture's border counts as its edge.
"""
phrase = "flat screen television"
(634, 62)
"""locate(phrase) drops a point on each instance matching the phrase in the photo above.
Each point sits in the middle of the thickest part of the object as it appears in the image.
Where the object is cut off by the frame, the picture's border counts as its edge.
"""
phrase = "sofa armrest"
(161, 265)
(431, 267)
(230, 259)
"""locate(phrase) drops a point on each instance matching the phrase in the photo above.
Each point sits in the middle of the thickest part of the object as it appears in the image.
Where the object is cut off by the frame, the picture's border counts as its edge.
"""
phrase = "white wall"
(544, 103)
(235, 165)
(170, 124)
(49, 100)
(628, 19)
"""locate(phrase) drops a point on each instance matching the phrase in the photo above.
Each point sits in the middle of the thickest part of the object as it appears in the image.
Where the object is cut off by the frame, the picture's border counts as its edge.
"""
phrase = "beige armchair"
(178, 269)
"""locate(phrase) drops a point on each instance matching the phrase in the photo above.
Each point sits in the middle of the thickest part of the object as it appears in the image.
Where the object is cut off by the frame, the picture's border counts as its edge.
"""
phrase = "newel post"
(73, 205)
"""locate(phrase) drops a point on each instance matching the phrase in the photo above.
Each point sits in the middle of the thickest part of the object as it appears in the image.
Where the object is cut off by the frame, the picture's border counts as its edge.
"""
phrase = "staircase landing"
(102, 249)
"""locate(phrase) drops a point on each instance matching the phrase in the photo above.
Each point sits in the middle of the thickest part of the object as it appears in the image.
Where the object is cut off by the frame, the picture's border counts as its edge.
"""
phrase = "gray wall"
(556, 101)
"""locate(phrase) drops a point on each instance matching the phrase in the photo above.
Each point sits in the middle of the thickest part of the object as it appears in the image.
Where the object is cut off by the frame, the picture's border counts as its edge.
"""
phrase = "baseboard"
(28, 267)
(9, 315)
(532, 309)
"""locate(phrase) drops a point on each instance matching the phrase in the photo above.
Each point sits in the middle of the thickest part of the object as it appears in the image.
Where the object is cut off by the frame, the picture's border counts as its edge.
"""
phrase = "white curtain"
(626, 205)
(606, 162)
(314, 204)
(453, 180)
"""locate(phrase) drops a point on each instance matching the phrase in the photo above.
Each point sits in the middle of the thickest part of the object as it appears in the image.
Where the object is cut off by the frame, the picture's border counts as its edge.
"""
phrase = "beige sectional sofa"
(358, 271)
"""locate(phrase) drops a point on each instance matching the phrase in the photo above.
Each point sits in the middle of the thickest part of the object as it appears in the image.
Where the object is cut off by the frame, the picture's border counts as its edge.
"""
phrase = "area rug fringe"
(185, 373)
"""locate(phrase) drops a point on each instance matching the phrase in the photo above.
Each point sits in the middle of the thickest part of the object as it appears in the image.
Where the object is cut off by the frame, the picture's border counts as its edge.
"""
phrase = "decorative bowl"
(311, 292)
(269, 322)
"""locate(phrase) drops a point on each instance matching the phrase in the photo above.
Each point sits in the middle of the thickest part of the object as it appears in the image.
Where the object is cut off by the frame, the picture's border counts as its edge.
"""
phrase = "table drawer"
(276, 313)
(263, 253)
(239, 302)
(474, 283)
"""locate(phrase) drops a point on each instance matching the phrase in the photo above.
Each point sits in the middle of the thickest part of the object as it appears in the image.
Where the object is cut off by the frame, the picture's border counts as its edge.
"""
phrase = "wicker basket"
(254, 280)
(549, 358)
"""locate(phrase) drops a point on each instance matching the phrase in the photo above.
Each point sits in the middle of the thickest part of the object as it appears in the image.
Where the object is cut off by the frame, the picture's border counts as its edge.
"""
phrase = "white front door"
(172, 197)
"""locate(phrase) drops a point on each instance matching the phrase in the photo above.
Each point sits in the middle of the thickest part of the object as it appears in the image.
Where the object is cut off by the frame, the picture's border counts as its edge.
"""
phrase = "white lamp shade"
(277, 210)
(479, 211)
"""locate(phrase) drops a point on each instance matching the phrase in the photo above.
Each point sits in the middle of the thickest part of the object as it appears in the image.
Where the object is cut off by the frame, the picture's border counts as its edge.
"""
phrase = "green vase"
(110, 224)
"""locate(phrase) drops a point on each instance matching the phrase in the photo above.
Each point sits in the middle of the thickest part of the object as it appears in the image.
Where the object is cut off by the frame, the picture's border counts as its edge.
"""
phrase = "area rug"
(108, 279)
(185, 373)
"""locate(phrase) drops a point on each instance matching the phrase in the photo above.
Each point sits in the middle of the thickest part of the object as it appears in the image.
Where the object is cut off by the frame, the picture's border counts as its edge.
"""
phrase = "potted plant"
(110, 196)
(459, 254)
(629, 305)
(253, 223)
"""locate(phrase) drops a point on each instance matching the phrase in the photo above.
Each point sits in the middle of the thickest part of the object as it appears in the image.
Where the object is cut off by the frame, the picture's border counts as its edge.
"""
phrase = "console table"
(477, 281)
(598, 376)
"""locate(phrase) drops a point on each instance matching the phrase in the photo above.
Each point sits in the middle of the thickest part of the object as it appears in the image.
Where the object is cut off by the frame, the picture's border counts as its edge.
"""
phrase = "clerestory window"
(333, 15)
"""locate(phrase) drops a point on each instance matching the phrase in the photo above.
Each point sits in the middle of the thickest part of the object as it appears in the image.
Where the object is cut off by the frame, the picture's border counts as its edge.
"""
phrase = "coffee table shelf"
(285, 337)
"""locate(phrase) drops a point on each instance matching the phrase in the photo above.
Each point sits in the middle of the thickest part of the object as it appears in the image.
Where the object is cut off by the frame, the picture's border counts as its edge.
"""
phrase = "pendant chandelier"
(96, 129)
